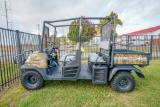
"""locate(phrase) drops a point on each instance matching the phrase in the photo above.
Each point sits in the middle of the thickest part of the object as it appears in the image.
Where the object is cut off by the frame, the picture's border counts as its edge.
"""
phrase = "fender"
(124, 68)
(39, 70)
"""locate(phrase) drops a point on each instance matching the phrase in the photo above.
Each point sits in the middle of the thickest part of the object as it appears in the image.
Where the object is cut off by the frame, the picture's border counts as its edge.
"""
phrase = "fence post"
(151, 45)
(39, 38)
(19, 48)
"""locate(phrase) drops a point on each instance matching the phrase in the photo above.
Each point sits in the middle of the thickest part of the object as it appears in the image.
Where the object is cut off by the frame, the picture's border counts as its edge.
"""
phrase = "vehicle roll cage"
(112, 19)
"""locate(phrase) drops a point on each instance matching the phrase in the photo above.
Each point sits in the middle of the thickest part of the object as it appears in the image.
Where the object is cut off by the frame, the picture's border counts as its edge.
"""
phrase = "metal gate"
(13, 43)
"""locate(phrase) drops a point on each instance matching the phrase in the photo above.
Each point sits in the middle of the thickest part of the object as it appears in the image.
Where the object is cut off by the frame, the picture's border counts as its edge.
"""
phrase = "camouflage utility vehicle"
(109, 65)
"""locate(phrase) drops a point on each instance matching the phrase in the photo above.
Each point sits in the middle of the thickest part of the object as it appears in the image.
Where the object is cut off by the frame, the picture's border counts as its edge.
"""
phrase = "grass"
(84, 93)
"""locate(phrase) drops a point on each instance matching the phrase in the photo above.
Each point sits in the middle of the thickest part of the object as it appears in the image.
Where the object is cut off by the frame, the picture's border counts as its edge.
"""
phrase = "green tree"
(118, 21)
(63, 39)
(87, 31)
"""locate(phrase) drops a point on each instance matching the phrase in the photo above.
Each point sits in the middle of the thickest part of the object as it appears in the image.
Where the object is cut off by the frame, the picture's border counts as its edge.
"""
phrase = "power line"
(10, 13)
(10, 7)
(6, 14)
(4, 10)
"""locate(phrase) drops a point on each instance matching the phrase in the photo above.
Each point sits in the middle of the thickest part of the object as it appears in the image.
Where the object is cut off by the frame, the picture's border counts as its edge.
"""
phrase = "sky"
(26, 14)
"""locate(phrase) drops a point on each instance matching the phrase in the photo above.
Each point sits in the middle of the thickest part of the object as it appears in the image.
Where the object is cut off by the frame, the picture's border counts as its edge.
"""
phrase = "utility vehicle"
(109, 65)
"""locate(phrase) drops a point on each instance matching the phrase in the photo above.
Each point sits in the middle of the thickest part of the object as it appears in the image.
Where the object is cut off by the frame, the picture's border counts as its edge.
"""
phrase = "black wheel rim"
(31, 80)
(124, 83)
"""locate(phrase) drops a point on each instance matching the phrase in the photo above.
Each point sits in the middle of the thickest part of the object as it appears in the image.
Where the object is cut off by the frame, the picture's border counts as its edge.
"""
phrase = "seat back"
(105, 43)
(105, 36)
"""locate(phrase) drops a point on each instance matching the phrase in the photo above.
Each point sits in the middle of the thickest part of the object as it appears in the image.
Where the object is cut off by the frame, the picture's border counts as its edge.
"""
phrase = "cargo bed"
(130, 57)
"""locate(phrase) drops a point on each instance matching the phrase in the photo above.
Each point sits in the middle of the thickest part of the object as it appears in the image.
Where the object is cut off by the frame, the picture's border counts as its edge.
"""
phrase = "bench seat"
(68, 58)
(93, 57)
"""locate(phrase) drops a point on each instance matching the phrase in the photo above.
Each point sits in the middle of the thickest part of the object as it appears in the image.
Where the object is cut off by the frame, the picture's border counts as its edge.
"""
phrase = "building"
(142, 34)
(149, 31)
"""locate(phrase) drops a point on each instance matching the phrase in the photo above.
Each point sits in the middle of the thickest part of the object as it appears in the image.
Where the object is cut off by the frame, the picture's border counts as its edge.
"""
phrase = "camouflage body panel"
(137, 59)
(37, 59)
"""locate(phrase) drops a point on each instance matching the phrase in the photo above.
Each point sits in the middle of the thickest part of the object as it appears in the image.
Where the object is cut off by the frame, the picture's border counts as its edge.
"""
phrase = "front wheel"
(123, 82)
(32, 80)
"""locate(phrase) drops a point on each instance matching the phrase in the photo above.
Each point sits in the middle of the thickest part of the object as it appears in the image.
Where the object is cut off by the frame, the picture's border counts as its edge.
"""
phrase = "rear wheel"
(32, 80)
(123, 82)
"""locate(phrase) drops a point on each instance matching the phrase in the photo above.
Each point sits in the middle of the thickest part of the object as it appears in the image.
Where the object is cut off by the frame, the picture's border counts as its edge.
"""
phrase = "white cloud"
(135, 14)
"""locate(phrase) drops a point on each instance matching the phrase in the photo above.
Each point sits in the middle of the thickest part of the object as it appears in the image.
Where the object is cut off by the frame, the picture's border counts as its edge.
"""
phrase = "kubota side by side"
(108, 66)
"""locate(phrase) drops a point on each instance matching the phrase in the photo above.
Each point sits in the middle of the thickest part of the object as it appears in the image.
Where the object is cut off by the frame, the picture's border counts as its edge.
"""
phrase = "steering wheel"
(54, 46)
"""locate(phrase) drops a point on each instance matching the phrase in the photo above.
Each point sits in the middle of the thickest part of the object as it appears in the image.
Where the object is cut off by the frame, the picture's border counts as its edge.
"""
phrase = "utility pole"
(38, 29)
(6, 14)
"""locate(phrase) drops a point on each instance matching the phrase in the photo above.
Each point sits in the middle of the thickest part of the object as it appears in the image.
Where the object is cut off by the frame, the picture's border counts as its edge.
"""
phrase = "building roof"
(143, 31)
